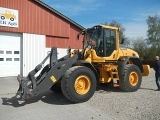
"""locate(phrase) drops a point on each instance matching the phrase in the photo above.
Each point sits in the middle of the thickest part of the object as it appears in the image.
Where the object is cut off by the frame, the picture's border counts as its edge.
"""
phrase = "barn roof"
(60, 14)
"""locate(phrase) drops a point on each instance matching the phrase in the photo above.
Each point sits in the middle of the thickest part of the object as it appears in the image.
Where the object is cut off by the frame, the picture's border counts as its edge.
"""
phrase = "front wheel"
(78, 84)
(131, 80)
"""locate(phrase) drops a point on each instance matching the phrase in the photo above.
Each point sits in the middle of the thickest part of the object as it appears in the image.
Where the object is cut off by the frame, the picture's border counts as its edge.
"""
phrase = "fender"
(122, 63)
(89, 65)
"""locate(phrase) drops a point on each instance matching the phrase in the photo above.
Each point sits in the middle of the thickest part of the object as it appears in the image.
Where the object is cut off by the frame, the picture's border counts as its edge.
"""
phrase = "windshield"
(93, 36)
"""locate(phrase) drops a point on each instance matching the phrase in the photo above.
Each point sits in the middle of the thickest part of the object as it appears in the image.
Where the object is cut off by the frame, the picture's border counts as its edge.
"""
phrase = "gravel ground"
(143, 104)
(107, 103)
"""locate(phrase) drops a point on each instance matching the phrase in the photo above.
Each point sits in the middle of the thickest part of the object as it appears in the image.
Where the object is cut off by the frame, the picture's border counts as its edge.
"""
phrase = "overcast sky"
(132, 14)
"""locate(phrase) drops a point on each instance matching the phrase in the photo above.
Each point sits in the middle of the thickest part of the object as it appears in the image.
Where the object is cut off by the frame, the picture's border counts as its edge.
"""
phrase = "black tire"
(56, 88)
(131, 80)
(78, 84)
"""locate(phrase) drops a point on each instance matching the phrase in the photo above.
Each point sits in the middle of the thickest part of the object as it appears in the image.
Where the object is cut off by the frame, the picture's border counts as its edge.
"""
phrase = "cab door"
(109, 42)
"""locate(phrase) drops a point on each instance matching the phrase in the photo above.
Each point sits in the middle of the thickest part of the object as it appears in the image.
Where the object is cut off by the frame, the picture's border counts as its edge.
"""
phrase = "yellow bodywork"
(108, 69)
(146, 70)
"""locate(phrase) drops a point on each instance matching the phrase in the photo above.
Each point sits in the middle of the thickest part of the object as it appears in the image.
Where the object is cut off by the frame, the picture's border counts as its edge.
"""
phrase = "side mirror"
(123, 41)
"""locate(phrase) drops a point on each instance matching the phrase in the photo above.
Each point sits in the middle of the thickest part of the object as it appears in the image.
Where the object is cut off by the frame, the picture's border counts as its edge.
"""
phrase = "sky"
(131, 14)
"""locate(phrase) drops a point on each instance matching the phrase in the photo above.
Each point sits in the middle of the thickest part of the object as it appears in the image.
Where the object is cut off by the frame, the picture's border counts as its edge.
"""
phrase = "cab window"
(110, 41)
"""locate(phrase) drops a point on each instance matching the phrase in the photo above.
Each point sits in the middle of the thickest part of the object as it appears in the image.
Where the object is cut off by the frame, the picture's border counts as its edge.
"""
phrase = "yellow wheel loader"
(103, 59)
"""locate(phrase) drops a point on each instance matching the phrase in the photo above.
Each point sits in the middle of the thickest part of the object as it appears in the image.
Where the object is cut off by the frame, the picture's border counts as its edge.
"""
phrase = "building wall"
(33, 51)
(40, 29)
(64, 42)
(10, 52)
(36, 19)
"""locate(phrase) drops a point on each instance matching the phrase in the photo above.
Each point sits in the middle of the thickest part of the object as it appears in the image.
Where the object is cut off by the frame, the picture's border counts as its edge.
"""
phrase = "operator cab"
(100, 38)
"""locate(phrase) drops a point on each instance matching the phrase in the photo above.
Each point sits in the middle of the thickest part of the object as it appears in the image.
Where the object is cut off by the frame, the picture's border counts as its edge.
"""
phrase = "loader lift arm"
(31, 86)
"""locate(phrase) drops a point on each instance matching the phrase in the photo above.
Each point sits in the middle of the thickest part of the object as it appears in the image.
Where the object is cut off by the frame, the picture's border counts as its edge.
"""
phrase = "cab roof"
(107, 26)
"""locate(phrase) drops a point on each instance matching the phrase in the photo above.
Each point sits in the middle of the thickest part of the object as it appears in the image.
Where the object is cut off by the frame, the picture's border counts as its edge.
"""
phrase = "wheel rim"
(82, 84)
(133, 78)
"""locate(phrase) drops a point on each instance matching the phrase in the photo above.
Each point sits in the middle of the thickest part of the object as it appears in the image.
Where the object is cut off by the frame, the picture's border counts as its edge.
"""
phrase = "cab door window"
(110, 41)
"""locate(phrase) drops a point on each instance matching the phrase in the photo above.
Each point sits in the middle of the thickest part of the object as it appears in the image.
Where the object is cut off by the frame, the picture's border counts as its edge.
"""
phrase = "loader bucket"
(23, 90)
(31, 86)
(27, 84)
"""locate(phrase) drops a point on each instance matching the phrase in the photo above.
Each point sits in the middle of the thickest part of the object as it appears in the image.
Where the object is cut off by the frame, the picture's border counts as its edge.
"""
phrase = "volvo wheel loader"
(103, 59)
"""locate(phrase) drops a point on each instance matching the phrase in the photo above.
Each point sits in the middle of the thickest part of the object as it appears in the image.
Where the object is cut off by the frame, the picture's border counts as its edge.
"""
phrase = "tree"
(119, 25)
(153, 31)
(153, 51)
(140, 46)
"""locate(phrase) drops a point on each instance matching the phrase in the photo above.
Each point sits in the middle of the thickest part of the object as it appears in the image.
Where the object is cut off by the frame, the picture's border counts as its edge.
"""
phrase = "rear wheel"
(78, 84)
(131, 80)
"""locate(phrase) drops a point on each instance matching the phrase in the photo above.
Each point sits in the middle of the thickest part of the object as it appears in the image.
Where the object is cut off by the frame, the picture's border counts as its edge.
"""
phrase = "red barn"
(28, 29)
